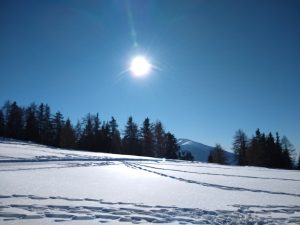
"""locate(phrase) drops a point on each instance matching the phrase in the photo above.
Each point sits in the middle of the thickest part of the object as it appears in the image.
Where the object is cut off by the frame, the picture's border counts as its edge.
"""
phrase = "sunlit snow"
(42, 185)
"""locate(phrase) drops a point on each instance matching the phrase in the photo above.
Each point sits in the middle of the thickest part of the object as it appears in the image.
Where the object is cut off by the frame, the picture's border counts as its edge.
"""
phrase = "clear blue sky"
(223, 65)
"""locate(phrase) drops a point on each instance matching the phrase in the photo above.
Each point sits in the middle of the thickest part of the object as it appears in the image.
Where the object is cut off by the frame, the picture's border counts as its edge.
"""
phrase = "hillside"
(200, 151)
(42, 185)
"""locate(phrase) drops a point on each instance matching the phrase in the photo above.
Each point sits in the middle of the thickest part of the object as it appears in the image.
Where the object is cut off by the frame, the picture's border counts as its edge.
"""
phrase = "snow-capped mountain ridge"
(200, 151)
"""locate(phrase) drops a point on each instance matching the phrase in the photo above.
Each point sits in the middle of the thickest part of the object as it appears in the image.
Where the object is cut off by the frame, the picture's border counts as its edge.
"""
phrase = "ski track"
(221, 174)
(137, 213)
(84, 209)
(223, 187)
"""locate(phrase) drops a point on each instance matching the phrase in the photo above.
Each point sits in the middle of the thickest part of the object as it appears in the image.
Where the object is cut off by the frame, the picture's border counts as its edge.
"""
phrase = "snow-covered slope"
(200, 151)
(41, 185)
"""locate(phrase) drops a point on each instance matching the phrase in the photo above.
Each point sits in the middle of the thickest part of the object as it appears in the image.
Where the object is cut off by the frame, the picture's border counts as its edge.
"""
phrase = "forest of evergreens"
(260, 150)
(36, 123)
(263, 150)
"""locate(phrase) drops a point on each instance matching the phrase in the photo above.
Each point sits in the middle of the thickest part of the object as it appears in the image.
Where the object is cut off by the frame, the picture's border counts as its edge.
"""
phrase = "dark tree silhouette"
(87, 138)
(185, 155)
(31, 124)
(67, 136)
(288, 153)
(172, 148)
(2, 124)
(130, 140)
(147, 138)
(45, 125)
(114, 136)
(240, 147)
(36, 123)
(217, 155)
(159, 140)
(15, 123)
(256, 149)
(58, 123)
(298, 165)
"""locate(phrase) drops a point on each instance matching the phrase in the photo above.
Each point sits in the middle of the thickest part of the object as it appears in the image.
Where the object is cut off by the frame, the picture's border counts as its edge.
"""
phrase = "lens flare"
(140, 66)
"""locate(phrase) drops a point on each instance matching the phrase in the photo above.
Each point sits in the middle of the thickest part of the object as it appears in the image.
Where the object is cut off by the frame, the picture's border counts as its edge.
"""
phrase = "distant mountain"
(200, 151)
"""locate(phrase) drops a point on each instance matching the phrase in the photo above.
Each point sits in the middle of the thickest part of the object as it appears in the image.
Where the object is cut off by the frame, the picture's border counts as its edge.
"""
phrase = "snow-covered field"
(41, 185)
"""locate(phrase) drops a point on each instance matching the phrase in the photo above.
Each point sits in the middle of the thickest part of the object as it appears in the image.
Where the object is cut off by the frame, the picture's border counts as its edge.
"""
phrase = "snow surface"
(42, 185)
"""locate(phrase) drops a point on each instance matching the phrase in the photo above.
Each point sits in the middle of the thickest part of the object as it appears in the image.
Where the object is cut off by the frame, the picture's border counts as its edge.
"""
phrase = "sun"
(140, 66)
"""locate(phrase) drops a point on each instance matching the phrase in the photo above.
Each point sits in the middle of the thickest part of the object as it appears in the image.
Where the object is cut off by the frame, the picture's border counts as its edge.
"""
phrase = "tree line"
(264, 150)
(36, 123)
(261, 150)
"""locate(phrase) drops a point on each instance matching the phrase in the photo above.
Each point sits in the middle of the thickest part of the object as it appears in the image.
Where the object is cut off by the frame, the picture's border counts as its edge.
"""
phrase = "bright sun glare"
(140, 66)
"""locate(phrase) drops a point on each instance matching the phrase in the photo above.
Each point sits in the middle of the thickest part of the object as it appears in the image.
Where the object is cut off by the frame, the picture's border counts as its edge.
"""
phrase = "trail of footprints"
(104, 211)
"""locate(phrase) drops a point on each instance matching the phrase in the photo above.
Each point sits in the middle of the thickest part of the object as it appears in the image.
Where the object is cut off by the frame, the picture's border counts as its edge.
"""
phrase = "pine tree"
(31, 132)
(185, 155)
(96, 136)
(115, 136)
(78, 134)
(105, 137)
(67, 136)
(298, 166)
(218, 155)
(2, 124)
(41, 122)
(159, 140)
(49, 128)
(172, 148)
(147, 138)
(45, 126)
(58, 123)
(6, 111)
(130, 140)
(240, 143)
(15, 123)
(87, 137)
(255, 153)
(270, 153)
(288, 153)
(210, 157)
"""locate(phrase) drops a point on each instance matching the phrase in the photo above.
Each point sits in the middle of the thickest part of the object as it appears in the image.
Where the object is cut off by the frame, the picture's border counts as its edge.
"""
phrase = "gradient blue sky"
(224, 65)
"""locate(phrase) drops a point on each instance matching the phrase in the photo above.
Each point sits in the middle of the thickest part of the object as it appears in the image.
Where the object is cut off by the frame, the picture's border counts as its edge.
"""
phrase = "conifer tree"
(288, 153)
(172, 148)
(87, 137)
(269, 156)
(2, 124)
(41, 122)
(15, 124)
(130, 140)
(298, 165)
(45, 126)
(147, 138)
(78, 134)
(31, 124)
(159, 140)
(210, 157)
(240, 143)
(58, 123)
(50, 128)
(114, 136)
(67, 136)
(218, 155)
(185, 155)
(256, 149)
(105, 137)
(96, 136)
